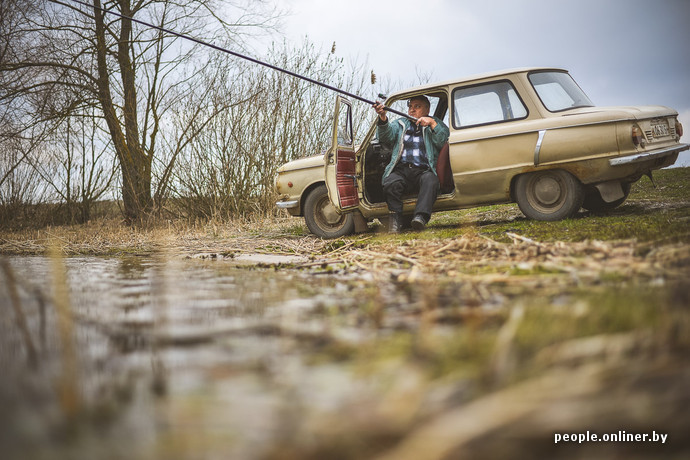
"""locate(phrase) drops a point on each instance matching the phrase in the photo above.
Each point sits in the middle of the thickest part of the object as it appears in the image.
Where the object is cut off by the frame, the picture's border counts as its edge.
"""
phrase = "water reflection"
(180, 356)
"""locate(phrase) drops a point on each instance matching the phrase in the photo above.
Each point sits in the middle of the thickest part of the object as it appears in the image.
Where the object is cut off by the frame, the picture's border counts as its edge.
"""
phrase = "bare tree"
(75, 165)
(21, 187)
(63, 59)
(229, 168)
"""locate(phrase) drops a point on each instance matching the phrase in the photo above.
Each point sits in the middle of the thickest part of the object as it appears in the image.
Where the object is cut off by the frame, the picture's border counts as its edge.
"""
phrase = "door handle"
(354, 178)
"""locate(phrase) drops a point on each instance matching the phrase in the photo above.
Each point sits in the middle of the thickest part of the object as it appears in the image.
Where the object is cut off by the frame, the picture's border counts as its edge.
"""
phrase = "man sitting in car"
(412, 168)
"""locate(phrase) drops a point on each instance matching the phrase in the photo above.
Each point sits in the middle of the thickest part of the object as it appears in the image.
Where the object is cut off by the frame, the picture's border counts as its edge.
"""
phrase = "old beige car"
(529, 136)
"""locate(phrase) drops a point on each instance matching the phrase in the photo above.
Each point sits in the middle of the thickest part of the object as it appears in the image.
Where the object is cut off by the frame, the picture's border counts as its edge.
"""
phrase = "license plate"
(660, 130)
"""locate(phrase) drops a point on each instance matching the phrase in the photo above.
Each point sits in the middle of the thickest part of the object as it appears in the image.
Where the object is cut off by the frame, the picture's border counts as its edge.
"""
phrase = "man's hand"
(426, 121)
(380, 110)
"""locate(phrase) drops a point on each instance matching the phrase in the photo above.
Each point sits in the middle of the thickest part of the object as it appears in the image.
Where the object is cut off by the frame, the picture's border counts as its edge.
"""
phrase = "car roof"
(471, 78)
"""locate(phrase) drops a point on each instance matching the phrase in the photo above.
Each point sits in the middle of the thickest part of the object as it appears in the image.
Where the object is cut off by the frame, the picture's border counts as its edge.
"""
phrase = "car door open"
(341, 176)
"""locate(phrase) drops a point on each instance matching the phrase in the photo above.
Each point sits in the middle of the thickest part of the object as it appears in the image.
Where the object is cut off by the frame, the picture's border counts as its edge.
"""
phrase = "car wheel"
(322, 218)
(595, 203)
(549, 195)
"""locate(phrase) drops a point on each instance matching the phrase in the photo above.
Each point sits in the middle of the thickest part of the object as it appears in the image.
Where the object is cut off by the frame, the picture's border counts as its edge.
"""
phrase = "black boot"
(419, 222)
(395, 222)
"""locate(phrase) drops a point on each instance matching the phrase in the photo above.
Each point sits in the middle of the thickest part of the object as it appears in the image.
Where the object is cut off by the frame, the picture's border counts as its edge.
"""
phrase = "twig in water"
(68, 389)
(41, 318)
(19, 313)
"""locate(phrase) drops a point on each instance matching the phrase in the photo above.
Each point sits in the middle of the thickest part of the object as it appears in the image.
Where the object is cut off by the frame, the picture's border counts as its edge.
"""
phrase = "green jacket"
(391, 134)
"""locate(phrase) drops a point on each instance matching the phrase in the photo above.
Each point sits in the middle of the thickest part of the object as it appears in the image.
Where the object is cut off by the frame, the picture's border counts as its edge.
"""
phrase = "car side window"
(486, 103)
(434, 101)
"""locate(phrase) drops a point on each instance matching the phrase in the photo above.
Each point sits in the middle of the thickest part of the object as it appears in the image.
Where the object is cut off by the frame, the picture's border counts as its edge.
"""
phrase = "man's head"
(418, 106)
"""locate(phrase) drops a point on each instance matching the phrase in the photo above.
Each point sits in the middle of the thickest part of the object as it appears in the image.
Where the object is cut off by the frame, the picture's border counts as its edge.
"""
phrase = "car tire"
(595, 203)
(549, 195)
(322, 218)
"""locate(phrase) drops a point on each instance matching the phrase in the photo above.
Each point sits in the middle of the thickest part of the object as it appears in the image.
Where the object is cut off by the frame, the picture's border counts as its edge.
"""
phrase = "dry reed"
(68, 385)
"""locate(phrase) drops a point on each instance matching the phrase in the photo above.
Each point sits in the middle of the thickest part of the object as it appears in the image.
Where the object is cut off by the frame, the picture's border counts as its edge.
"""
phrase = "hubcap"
(327, 213)
(547, 190)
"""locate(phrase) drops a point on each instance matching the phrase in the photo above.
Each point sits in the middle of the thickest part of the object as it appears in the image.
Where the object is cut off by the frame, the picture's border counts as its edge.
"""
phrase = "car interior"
(377, 156)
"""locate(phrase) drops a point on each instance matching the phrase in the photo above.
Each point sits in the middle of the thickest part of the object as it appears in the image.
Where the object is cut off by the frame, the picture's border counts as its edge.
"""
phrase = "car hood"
(627, 112)
(302, 163)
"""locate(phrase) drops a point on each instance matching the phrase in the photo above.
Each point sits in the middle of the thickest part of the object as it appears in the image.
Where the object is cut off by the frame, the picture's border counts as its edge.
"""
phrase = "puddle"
(254, 259)
(269, 259)
(204, 352)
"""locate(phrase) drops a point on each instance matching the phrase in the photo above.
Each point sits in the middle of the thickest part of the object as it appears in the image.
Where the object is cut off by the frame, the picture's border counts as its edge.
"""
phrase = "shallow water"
(176, 355)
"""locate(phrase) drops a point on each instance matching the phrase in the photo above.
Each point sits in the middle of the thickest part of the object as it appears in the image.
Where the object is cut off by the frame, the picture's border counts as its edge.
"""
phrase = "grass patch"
(628, 222)
(648, 214)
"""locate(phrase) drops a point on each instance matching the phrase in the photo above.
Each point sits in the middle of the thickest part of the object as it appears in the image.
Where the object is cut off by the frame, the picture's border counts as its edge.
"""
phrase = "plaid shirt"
(414, 151)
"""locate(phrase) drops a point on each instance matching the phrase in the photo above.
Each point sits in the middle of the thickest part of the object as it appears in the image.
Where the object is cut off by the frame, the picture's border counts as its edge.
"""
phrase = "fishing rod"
(233, 53)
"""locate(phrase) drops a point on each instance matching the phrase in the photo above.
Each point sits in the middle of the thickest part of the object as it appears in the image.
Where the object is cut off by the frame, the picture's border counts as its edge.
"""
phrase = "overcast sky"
(621, 52)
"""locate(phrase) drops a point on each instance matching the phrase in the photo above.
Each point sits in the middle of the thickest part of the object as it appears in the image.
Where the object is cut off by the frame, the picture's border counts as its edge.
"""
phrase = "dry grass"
(112, 237)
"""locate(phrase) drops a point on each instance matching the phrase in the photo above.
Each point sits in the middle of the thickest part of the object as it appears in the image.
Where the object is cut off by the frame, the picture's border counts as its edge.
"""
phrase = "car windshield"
(558, 91)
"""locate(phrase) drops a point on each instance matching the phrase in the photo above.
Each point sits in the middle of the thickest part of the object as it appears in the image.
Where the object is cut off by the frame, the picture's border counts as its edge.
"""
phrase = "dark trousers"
(409, 179)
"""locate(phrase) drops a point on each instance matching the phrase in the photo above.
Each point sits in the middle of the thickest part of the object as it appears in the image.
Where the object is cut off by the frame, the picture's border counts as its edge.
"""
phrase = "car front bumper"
(287, 204)
(291, 206)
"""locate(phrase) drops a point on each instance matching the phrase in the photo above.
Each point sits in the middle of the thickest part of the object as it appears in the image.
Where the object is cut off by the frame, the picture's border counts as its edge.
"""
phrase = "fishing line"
(225, 50)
